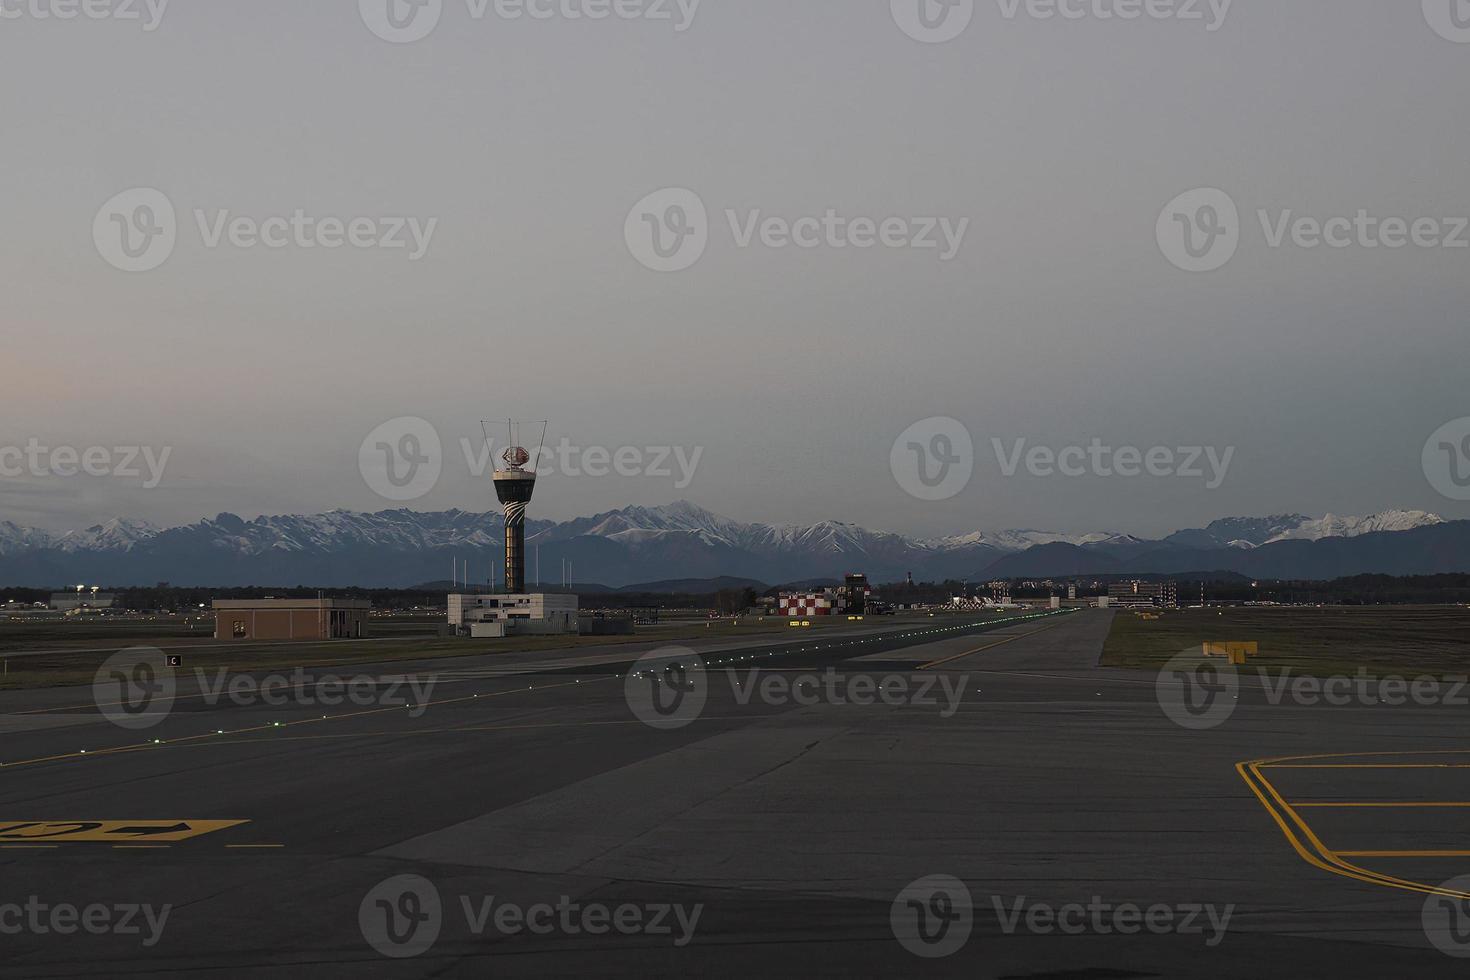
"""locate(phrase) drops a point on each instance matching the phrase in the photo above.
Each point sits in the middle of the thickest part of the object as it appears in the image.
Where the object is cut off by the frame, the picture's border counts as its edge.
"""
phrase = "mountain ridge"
(684, 541)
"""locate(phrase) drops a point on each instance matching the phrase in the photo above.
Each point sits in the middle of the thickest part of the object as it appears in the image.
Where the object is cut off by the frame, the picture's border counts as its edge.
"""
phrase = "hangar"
(291, 619)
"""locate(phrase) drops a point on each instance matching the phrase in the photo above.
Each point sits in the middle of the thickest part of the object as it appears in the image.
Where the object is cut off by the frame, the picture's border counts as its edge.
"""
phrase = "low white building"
(513, 615)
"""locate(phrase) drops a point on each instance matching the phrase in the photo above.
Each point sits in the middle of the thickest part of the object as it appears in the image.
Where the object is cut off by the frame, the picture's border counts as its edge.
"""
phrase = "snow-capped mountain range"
(684, 541)
(1253, 532)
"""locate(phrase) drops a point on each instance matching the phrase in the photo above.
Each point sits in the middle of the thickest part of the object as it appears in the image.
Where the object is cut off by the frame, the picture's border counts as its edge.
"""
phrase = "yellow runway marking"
(1349, 806)
(111, 831)
(1310, 847)
(988, 646)
(1404, 854)
(1382, 765)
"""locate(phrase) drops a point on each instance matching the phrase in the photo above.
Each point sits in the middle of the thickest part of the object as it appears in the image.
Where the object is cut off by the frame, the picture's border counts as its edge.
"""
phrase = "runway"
(771, 832)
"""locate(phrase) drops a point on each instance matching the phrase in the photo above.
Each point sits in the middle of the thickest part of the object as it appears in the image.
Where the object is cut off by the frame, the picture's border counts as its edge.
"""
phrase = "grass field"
(1384, 640)
(54, 654)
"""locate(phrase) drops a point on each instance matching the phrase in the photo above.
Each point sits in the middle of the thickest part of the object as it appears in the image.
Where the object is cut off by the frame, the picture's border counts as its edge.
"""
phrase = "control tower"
(514, 485)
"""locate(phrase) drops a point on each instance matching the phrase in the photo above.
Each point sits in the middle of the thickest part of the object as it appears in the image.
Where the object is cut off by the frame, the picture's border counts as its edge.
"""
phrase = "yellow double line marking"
(1310, 847)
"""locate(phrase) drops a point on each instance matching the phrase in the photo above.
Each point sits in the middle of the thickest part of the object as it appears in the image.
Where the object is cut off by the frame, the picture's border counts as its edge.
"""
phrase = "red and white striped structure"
(807, 604)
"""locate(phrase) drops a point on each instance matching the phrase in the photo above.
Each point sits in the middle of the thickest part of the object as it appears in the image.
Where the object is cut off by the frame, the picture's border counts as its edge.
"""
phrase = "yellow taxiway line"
(1370, 806)
(1310, 847)
(1404, 854)
(989, 646)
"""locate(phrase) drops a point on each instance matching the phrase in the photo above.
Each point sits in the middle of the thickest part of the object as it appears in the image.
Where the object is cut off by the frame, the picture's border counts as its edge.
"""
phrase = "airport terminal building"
(1143, 595)
(489, 616)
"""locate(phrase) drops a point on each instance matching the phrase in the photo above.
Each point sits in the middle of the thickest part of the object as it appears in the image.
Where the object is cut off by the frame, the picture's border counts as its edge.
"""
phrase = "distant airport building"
(804, 605)
(854, 597)
(856, 594)
(291, 619)
(77, 601)
(1143, 595)
(484, 616)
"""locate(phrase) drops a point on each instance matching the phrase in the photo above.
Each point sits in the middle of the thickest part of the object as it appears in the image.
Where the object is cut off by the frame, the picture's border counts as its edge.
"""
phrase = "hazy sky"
(529, 141)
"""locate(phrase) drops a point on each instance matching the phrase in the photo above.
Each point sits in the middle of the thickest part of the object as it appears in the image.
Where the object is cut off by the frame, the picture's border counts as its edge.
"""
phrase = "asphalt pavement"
(943, 799)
